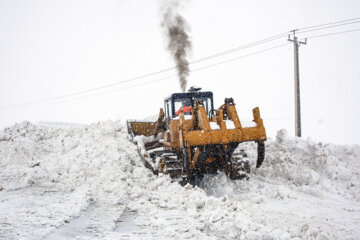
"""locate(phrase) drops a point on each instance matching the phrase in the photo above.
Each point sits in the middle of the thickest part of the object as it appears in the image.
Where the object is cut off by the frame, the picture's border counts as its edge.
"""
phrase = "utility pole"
(297, 83)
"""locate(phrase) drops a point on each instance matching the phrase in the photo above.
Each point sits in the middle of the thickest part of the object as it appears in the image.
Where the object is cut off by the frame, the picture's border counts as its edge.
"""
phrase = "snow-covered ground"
(87, 182)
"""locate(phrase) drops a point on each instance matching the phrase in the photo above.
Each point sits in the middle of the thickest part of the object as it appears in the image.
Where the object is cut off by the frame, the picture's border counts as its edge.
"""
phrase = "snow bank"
(49, 176)
(304, 163)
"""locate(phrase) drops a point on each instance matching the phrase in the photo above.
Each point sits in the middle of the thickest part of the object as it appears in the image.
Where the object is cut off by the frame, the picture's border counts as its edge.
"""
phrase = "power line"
(97, 94)
(321, 28)
(93, 89)
(265, 40)
(334, 33)
(236, 58)
(331, 23)
(243, 47)
(194, 70)
(156, 80)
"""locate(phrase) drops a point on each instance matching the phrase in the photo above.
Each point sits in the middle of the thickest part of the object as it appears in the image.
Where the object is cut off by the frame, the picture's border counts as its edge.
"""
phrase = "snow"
(229, 124)
(186, 117)
(151, 118)
(142, 140)
(87, 182)
(214, 126)
(58, 124)
(246, 124)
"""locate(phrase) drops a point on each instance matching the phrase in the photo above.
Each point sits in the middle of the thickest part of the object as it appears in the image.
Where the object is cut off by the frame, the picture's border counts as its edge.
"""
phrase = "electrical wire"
(152, 81)
(332, 26)
(331, 23)
(237, 58)
(93, 89)
(334, 33)
(243, 47)
(265, 40)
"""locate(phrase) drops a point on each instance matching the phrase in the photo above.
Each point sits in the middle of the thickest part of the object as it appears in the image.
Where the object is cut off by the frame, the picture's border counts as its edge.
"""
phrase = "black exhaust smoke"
(176, 31)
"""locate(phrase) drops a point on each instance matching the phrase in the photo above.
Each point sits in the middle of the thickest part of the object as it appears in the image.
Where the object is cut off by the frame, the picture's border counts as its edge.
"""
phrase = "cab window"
(184, 104)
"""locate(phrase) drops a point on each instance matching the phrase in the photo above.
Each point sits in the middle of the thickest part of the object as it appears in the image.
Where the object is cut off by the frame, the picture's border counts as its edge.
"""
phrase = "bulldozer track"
(172, 164)
(240, 165)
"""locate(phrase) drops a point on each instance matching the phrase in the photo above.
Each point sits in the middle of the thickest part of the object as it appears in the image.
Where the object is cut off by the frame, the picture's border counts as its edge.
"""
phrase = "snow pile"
(76, 165)
(50, 175)
(304, 190)
(312, 165)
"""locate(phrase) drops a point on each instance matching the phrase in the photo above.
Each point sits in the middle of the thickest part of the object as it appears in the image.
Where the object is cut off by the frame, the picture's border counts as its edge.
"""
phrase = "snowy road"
(87, 182)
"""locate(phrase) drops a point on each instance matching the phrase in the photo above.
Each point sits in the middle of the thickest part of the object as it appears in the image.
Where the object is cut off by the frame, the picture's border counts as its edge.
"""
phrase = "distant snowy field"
(87, 182)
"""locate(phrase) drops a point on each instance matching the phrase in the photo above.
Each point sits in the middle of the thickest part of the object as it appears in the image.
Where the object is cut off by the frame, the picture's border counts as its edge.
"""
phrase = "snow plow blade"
(185, 145)
(141, 128)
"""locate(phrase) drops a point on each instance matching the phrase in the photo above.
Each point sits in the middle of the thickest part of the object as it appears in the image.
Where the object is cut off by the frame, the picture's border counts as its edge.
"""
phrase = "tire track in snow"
(93, 222)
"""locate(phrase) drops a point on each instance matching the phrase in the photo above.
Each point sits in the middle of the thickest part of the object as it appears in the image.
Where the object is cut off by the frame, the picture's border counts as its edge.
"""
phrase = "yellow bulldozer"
(190, 138)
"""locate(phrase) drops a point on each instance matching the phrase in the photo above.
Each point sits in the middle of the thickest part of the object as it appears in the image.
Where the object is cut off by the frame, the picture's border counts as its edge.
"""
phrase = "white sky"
(52, 48)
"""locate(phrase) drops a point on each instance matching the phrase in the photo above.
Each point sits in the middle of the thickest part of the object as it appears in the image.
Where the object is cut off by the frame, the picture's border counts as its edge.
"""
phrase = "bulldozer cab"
(186, 101)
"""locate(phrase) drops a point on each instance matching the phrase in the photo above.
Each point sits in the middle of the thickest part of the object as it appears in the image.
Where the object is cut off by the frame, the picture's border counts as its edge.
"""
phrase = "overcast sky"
(54, 48)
